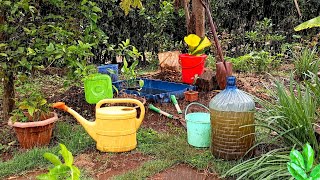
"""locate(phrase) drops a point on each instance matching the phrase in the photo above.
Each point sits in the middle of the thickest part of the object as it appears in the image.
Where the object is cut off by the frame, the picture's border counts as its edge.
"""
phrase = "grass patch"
(172, 148)
(73, 136)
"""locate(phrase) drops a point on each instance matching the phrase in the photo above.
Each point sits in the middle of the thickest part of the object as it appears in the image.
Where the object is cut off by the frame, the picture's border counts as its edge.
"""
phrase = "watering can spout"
(87, 125)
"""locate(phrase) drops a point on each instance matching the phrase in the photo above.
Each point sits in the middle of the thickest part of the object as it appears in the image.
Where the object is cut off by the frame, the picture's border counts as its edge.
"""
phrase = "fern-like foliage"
(126, 5)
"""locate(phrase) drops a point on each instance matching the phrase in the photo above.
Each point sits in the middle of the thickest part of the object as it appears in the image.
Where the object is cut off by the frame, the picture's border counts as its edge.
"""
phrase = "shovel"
(223, 68)
(180, 119)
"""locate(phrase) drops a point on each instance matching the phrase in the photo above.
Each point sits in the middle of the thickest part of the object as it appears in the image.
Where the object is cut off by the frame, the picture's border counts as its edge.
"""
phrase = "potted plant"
(192, 63)
(32, 121)
(191, 95)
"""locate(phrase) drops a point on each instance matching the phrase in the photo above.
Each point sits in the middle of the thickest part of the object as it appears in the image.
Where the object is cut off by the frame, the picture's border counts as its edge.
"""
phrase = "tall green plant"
(306, 61)
(293, 115)
(271, 165)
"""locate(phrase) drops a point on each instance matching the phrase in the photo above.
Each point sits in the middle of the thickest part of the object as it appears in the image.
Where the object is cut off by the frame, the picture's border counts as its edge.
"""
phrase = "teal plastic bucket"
(198, 127)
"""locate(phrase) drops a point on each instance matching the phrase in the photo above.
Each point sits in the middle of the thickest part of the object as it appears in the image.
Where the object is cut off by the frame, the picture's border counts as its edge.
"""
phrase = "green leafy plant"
(61, 170)
(256, 61)
(306, 61)
(130, 54)
(130, 75)
(31, 105)
(301, 165)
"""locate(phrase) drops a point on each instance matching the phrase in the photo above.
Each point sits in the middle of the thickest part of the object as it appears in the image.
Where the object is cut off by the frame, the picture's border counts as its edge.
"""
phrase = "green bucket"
(198, 127)
(97, 87)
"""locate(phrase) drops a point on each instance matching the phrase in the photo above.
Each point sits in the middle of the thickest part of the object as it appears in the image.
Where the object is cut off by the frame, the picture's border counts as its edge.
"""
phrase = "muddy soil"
(184, 172)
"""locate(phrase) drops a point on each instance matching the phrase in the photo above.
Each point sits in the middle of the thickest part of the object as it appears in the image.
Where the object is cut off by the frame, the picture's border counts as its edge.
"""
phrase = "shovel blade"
(223, 70)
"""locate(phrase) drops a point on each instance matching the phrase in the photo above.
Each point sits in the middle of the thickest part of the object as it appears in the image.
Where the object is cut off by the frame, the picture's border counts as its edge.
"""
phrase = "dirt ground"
(101, 166)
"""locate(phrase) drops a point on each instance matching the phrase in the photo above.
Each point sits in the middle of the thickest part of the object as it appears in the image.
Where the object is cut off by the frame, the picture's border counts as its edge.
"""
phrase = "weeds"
(173, 147)
(293, 115)
(272, 165)
(305, 61)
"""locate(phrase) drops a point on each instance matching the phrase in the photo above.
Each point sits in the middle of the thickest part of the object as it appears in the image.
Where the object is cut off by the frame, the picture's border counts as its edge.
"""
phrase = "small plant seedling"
(301, 165)
(61, 170)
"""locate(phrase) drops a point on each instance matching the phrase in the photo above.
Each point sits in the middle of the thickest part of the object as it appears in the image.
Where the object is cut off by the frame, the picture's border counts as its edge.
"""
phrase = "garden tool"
(115, 127)
(223, 68)
(175, 103)
(180, 119)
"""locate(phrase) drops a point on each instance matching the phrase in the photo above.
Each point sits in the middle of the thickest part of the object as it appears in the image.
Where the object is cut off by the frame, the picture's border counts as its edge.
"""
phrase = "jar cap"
(231, 81)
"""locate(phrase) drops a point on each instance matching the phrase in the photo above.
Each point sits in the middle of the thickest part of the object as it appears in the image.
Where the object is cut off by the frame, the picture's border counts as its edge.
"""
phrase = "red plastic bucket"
(191, 65)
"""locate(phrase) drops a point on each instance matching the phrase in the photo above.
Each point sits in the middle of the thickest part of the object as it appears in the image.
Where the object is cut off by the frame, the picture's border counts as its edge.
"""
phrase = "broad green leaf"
(31, 110)
(315, 22)
(3, 54)
(296, 171)
(308, 156)
(60, 170)
(84, 2)
(30, 51)
(43, 102)
(315, 173)
(8, 3)
(75, 173)
(50, 47)
(3, 45)
(94, 17)
(297, 158)
(96, 9)
(58, 56)
(67, 155)
(52, 158)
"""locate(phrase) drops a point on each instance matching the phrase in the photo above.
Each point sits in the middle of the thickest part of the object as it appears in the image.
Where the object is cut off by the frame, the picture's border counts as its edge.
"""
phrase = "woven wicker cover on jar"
(231, 135)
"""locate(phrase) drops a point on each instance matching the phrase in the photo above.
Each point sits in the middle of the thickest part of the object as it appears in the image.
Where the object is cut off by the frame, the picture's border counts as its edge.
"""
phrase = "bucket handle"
(125, 100)
(195, 103)
(192, 66)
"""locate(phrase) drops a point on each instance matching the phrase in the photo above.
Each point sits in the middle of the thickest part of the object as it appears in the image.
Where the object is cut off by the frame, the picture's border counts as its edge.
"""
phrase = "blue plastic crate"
(157, 91)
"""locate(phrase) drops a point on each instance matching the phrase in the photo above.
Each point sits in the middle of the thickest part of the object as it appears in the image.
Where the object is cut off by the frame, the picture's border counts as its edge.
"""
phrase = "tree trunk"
(8, 95)
(199, 17)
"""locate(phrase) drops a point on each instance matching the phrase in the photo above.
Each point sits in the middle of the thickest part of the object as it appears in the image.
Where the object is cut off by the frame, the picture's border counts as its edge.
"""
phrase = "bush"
(260, 61)
(306, 61)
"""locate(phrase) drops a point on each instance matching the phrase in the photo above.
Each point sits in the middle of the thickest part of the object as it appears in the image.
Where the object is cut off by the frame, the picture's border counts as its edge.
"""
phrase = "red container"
(191, 65)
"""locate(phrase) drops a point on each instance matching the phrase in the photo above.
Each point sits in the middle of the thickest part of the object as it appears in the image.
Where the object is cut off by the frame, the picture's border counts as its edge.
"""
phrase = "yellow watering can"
(115, 127)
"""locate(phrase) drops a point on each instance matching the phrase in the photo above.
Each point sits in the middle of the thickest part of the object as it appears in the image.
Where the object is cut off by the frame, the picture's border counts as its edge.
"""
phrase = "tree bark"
(198, 14)
(8, 94)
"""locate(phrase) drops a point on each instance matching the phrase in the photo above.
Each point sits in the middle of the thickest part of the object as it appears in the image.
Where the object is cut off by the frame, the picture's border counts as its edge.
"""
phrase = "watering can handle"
(195, 103)
(125, 100)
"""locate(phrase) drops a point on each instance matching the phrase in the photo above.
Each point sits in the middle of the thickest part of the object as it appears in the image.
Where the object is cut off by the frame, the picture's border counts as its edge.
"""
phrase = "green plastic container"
(97, 87)
(198, 127)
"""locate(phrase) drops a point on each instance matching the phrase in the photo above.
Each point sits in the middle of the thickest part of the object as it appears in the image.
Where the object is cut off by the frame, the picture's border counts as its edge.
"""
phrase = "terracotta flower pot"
(31, 134)
(191, 96)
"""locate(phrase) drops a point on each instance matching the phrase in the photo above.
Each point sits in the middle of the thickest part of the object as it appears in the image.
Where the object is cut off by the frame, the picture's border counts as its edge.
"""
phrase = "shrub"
(261, 61)
(305, 61)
